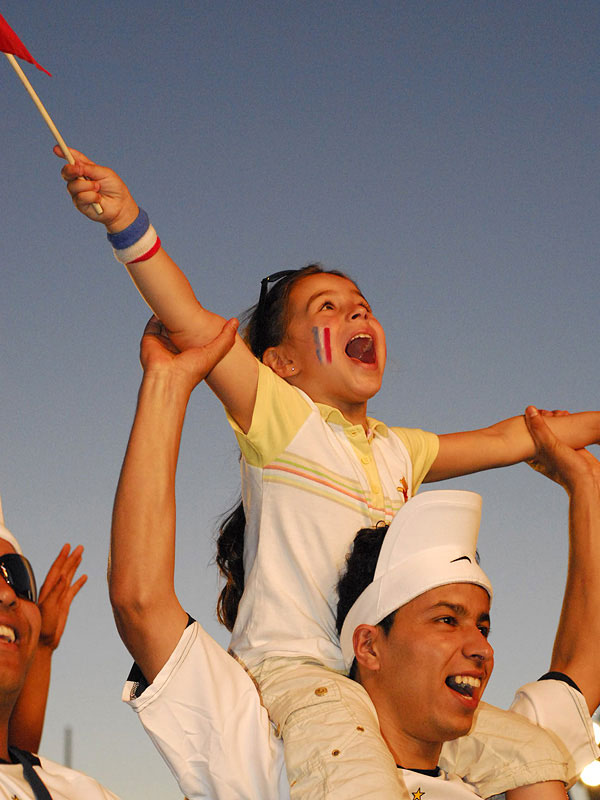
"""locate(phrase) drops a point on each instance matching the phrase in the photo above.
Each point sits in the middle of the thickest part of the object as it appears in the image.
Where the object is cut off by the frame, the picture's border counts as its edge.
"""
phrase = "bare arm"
(57, 593)
(505, 443)
(164, 286)
(147, 612)
(577, 644)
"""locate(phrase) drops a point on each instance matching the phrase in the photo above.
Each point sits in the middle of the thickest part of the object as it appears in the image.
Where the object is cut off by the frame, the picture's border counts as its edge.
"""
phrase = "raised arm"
(507, 442)
(147, 612)
(577, 644)
(164, 286)
(56, 595)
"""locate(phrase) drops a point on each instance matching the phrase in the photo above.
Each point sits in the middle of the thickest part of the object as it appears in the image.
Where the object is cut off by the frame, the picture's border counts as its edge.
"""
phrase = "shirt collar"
(335, 416)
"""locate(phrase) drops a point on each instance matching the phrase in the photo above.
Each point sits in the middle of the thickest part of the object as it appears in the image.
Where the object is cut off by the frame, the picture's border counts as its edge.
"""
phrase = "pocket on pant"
(316, 734)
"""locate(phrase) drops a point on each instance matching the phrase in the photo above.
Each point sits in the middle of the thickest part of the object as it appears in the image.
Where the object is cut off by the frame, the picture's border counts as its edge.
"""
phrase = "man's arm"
(577, 644)
(507, 442)
(201, 709)
(147, 612)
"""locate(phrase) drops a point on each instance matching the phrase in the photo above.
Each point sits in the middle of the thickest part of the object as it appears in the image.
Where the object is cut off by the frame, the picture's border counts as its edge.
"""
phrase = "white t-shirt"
(204, 716)
(62, 783)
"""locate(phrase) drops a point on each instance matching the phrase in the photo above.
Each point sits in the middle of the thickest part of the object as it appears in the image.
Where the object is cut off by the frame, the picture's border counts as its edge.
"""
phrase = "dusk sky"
(444, 154)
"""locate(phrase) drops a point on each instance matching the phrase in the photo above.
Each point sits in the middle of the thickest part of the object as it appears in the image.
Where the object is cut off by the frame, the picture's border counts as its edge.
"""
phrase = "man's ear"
(274, 358)
(365, 640)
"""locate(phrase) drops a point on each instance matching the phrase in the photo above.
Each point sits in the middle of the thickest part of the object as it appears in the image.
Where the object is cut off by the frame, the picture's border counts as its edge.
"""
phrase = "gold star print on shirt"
(418, 794)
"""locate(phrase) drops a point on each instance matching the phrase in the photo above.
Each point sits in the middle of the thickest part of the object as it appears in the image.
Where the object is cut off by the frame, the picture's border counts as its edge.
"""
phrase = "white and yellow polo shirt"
(310, 481)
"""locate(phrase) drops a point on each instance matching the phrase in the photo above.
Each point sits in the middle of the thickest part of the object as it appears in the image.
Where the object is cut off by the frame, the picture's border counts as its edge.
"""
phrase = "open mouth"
(362, 348)
(463, 684)
(7, 634)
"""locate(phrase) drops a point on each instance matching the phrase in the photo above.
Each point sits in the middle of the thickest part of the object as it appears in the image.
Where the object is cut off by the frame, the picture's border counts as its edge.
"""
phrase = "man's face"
(19, 633)
(436, 662)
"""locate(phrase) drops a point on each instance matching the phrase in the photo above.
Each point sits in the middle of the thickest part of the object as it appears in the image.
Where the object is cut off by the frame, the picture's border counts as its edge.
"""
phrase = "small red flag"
(10, 43)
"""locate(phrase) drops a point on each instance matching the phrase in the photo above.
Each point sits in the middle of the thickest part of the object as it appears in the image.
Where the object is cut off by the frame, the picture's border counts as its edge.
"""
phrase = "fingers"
(77, 154)
(153, 326)
(57, 594)
(54, 573)
(74, 589)
(72, 563)
(555, 459)
(155, 343)
(62, 570)
(557, 412)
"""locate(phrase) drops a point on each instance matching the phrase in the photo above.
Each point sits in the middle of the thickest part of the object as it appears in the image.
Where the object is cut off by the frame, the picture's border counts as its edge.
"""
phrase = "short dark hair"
(361, 563)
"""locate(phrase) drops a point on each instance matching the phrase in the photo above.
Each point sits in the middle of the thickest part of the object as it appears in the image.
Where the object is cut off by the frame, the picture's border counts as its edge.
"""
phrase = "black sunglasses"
(265, 285)
(17, 572)
(271, 279)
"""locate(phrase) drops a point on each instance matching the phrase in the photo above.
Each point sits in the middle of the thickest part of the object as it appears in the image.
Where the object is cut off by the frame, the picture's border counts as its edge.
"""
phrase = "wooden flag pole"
(47, 119)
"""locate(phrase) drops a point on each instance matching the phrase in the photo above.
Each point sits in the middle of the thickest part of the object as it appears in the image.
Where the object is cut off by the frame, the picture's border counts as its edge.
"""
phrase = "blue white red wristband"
(138, 242)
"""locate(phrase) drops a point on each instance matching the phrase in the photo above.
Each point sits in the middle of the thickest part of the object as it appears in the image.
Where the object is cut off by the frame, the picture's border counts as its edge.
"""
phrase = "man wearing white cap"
(22, 774)
(201, 709)
(414, 617)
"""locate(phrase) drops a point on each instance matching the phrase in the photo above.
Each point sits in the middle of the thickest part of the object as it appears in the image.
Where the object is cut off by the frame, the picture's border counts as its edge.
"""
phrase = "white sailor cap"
(431, 542)
(6, 534)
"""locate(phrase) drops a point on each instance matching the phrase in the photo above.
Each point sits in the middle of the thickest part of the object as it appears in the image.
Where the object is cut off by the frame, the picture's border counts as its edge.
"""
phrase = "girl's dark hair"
(264, 326)
(230, 561)
(361, 562)
(266, 322)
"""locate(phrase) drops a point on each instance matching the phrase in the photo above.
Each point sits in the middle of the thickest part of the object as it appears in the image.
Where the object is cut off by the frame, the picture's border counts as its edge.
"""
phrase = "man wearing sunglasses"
(198, 705)
(22, 774)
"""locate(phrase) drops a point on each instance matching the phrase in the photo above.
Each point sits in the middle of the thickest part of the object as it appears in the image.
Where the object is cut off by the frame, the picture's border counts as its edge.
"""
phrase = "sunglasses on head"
(17, 572)
(269, 281)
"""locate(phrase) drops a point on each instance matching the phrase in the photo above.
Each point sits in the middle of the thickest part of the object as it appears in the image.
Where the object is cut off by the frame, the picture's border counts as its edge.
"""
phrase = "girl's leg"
(332, 744)
(503, 751)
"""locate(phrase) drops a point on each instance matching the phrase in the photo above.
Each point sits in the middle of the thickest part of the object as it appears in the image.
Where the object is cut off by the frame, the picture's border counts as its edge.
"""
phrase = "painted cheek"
(322, 341)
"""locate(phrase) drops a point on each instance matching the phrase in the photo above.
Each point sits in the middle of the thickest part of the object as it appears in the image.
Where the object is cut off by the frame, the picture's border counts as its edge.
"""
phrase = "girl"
(315, 469)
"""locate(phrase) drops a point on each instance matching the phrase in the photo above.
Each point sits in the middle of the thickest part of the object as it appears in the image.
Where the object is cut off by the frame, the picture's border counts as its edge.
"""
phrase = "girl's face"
(333, 348)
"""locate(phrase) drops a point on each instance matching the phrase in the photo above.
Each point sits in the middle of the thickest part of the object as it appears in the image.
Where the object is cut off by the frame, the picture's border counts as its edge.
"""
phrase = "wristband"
(138, 242)
(132, 233)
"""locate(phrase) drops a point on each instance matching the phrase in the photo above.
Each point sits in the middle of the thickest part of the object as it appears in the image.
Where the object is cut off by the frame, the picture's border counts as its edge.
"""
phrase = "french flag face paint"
(322, 340)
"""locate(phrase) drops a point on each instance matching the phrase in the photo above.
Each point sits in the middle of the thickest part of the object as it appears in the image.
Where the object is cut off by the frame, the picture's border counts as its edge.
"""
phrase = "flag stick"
(47, 119)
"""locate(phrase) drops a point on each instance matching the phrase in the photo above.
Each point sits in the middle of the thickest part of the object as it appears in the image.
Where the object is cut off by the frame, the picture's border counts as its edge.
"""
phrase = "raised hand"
(555, 459)
(158, 354)
(57, 593)
(90, 183)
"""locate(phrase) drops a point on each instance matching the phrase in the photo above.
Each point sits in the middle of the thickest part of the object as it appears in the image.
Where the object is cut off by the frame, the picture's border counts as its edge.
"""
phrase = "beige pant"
(334, 749)
(332, 744)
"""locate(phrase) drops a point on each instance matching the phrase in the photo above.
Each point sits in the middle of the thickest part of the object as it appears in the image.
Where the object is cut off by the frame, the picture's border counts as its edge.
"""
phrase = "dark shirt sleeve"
(560, 676)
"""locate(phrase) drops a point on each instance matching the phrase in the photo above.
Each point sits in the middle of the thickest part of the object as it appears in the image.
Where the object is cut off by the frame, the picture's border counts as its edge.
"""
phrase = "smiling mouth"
(463, 684)
(7, 634)
(362, 348)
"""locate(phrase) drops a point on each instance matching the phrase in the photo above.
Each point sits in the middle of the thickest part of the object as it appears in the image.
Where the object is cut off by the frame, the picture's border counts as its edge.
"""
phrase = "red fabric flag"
(10, 43)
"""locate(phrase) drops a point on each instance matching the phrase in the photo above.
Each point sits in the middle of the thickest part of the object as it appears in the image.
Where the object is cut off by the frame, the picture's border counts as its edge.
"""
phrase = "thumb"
(536, 425)
(221, 344)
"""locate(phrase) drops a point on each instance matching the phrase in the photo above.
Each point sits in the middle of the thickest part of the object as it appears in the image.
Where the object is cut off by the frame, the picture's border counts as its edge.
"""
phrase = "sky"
(444, 154)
